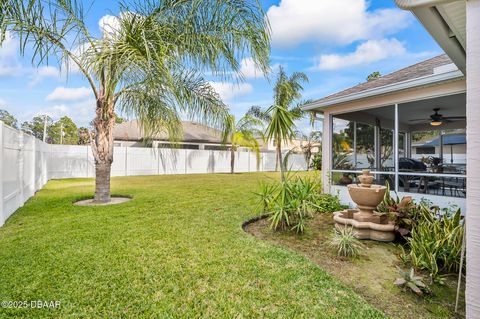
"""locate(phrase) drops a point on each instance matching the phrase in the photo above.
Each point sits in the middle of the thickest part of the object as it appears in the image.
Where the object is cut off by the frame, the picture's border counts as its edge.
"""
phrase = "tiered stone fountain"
(367, 197)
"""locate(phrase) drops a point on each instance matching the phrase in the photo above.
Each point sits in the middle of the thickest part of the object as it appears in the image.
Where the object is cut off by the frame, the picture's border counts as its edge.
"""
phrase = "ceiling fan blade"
(455, 117)
(417, 120)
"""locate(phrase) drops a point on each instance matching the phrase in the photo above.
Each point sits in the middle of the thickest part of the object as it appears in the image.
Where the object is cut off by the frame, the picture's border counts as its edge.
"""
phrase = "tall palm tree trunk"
(102, 146)
(232, 160)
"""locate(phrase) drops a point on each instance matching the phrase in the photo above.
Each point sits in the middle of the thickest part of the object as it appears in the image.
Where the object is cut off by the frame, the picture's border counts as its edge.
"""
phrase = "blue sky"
(336, 43)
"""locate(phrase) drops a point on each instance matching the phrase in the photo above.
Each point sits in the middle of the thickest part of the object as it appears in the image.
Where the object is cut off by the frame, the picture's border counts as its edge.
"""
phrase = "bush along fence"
(28, 163)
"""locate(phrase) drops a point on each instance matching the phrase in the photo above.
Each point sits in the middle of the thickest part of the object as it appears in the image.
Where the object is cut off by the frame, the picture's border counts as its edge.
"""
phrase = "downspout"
(413, 4)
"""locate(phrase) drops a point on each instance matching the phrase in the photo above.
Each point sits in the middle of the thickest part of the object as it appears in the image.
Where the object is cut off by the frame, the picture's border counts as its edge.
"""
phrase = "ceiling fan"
(437, 119)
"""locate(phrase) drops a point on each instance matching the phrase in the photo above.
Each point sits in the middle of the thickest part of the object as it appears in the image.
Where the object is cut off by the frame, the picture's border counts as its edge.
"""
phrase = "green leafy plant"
(411, 281)
(290, 203)
(403, 211)
(317, 162)
(327, 203)
(345, 243)
(435, 243)
(267, 195)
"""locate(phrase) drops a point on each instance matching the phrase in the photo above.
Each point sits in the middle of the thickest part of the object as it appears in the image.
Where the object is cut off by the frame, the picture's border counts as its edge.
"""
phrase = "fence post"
(126, 160)
(21, 170)
(185, 161)
(158, 160)
(2, 218)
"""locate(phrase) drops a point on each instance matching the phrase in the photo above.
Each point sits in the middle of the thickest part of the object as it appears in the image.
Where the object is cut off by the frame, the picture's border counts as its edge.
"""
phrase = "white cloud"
(250, 70)
(228, 91)
(80, 112)
(9, 64)
(69, 94)
(3, 103)
(108, 25)
(44, 72)
(326, 21)
(366, 53)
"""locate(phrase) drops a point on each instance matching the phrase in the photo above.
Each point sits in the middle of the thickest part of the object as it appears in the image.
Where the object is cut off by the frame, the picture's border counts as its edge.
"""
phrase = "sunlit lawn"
(176, 250)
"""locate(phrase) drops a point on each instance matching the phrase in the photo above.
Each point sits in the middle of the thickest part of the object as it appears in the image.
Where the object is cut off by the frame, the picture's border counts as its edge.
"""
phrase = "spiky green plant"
(344, 242)
(290, 203)
(149, 61)
(435, 243)
(411, 281)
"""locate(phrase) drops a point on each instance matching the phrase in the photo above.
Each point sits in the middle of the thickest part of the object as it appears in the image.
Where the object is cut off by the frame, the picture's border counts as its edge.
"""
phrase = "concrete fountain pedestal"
(367, 225)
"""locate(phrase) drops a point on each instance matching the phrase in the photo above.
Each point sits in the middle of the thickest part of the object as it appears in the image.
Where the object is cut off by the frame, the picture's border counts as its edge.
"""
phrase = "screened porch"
(418, 147)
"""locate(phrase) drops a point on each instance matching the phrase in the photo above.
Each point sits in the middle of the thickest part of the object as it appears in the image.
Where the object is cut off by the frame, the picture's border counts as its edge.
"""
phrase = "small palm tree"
(149, 61)
(286, 109)
(244, 133)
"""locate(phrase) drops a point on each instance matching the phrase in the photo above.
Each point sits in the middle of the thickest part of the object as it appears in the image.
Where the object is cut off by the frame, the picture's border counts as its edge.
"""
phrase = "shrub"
(317, 161)
(291, 202)
(403, 212)
(267, 195)
(435, 243)
(294, 203)
(327, 203)
(345, 243)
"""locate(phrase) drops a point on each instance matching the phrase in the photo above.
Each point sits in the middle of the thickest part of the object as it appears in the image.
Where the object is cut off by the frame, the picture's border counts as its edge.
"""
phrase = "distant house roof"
(192, 132)
(448, 139)
(437, 69)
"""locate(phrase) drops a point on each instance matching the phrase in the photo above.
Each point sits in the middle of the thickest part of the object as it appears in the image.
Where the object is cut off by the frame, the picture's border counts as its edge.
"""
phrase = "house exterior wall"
(473, 160)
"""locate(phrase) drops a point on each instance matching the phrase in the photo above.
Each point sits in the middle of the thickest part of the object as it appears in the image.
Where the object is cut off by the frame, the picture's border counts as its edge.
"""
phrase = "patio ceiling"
(452, 105)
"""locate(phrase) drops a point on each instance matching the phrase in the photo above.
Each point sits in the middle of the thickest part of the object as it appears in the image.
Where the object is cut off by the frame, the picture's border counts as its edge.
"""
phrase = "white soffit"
(454, 14)
(445, 20)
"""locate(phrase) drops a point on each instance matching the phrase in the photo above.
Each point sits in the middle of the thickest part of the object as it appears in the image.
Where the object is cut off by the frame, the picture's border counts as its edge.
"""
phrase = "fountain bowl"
(367, 225)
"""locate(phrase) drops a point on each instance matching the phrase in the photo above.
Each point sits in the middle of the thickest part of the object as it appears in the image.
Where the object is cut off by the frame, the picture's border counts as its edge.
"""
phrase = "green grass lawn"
(176, 250)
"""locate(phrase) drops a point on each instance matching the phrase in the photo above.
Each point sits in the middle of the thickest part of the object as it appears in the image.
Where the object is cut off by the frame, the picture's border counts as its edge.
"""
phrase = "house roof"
(192, 132)
(436, 69)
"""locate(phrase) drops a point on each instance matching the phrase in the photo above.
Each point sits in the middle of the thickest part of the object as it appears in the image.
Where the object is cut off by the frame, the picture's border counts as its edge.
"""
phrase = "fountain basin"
(367, 224)
(375, 230)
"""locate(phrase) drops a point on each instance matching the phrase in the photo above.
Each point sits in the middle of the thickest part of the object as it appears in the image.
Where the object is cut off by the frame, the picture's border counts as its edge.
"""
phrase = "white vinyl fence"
(27, 164)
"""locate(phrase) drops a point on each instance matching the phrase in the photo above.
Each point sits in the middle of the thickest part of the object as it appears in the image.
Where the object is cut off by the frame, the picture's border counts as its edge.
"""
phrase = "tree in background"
(63, 131)
(149, 61)
(281, 116)
(36, 126)
(374, 75)
(243, 133)
(119, 119)
(83, 136)
(8, 119)
(309, 143)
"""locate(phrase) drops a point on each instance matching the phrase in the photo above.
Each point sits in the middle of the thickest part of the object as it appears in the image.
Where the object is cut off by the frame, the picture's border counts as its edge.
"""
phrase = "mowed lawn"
(177, 250)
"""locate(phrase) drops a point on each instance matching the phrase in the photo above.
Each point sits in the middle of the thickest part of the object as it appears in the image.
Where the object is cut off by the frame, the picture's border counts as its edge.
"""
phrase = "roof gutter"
(414, 4)
(409, 84)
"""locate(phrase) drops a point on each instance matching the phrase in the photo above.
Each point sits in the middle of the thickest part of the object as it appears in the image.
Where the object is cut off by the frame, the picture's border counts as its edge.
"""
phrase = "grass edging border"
(253, 220)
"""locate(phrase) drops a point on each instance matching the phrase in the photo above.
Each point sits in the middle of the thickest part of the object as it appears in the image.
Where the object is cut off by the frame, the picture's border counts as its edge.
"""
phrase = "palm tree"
(149, 61)
(244, 133)
(286, 109)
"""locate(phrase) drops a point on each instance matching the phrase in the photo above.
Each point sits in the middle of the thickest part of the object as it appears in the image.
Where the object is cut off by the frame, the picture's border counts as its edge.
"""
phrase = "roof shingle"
(192, 132)
(411, 72)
